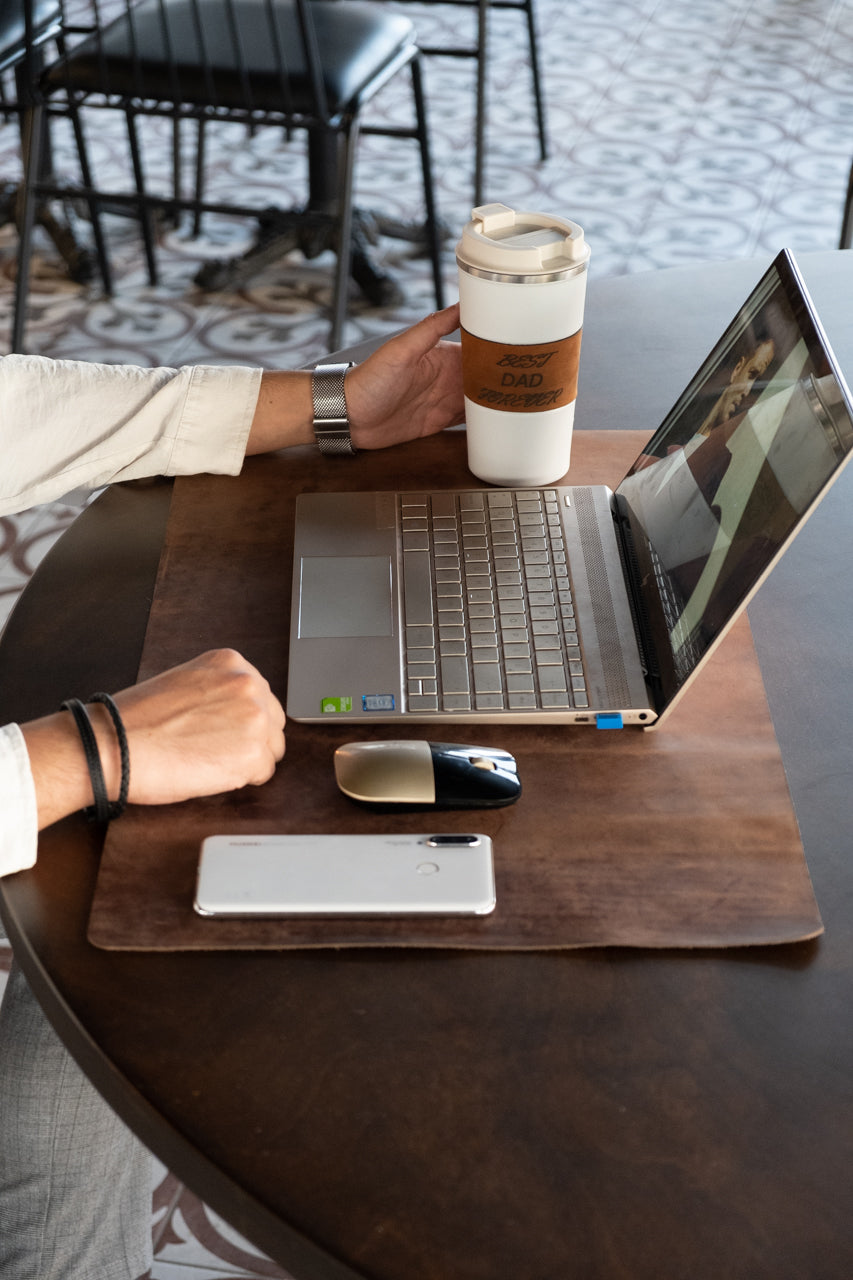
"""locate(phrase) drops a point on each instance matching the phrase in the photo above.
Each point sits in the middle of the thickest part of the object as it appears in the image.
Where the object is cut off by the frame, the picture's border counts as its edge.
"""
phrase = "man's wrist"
(331, 419)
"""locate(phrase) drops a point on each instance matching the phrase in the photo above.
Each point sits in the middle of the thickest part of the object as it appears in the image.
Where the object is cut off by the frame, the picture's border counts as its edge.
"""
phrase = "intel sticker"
(377, 702)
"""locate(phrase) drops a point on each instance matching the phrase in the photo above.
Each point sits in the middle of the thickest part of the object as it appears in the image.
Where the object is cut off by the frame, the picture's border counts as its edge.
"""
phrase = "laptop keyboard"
(489, 617)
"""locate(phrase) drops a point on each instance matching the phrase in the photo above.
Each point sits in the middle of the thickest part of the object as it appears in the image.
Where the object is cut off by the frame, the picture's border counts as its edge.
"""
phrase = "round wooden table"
(461, 1116)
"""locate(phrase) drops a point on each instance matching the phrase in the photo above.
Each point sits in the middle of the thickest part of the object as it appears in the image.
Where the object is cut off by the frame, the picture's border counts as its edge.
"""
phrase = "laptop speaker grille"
(609, 645)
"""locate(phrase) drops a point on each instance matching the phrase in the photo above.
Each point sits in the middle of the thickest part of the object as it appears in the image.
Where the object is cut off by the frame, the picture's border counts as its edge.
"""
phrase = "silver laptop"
(576, 605)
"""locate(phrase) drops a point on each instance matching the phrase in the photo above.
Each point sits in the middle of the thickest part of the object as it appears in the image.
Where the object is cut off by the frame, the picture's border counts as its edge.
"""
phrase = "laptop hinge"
(639, 613)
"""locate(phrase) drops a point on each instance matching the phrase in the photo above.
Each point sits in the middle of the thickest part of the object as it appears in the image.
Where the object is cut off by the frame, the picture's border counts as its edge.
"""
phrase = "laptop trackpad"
(343, 596)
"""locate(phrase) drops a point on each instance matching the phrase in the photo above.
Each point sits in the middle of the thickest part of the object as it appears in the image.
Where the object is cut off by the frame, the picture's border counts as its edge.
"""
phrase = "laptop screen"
(734, 468)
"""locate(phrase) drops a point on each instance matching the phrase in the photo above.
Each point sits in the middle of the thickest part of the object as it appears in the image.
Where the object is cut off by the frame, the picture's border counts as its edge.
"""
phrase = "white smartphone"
(346, 875)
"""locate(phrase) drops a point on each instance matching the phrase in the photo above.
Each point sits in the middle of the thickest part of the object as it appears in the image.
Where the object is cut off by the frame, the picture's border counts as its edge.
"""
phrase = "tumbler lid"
(503, 243)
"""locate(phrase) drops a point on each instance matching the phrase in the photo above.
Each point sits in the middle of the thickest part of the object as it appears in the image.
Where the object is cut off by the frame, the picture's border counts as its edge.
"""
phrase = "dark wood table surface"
(605, 1113)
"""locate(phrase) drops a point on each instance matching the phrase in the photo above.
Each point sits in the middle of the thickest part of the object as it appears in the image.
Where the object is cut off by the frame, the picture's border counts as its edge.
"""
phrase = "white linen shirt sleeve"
(18, 820)
(66, 425)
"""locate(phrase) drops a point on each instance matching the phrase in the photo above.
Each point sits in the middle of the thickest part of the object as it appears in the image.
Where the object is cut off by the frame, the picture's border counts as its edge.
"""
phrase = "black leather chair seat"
(202, 68)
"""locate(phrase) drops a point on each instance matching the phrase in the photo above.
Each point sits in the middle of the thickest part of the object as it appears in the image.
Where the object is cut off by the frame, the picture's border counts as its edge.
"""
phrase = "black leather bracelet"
(118, 807)
(100, 811)
(103, 809)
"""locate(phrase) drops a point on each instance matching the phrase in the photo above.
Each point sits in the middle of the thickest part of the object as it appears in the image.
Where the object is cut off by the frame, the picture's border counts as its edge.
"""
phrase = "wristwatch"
(331, 421)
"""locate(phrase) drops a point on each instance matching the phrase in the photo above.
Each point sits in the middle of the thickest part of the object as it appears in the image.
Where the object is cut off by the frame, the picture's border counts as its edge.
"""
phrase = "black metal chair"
(307, 65)
(480, 50)
(21, 59)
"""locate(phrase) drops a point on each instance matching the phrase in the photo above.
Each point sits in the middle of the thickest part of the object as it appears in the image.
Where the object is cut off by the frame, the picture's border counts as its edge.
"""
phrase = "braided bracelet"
(119, 806)
(103, 809)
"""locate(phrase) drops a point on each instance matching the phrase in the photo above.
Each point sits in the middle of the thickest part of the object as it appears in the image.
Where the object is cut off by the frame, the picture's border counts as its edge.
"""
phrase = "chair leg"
(32, 128)
(480, 122)
(340, 298)
(537, 80)
(92, 202)
(846, 241)
(432, 227)
(176, 158)
(198, 191)
(199, 176)
(144, 210)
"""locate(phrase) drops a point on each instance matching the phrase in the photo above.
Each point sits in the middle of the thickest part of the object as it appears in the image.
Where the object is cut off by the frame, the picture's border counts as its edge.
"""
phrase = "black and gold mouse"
(428, 775)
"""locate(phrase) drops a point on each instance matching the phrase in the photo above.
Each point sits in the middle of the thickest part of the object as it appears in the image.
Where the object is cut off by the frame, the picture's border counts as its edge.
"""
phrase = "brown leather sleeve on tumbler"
(520, 378)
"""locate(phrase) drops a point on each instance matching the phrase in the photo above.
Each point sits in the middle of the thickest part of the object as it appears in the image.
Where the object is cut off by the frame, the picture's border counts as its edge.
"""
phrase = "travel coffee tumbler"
(522, 283)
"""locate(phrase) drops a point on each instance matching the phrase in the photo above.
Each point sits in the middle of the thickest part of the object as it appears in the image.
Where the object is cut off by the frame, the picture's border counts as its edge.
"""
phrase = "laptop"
(575, 604)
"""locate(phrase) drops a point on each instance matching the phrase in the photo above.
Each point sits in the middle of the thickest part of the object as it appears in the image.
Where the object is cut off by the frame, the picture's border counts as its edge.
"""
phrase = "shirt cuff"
(216, 420)
(18, 812)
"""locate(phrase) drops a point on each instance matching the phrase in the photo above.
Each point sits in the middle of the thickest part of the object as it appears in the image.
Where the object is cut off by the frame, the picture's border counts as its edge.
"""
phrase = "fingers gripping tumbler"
(522, 284)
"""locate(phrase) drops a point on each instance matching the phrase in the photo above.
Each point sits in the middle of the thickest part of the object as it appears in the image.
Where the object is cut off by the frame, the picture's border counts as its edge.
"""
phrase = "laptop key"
(457, 702)
(522, 701)
(443, 504)
(487, 678)
(518, 666)
(417, 588)
(520, 684)
(556, 698)
(454, 675)
(420, 670)
(489, 701)
(453, 648)
(485, 653)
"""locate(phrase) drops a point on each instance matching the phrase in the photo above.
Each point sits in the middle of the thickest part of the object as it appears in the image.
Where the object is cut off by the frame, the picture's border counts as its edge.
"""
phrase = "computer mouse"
(429, 775)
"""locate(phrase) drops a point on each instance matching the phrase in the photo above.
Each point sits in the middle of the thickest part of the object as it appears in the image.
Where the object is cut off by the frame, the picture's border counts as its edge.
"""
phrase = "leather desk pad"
(682, 837)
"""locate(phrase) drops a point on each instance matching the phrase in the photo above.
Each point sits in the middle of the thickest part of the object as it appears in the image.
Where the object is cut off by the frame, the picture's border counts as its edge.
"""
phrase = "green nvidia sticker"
(336, 704)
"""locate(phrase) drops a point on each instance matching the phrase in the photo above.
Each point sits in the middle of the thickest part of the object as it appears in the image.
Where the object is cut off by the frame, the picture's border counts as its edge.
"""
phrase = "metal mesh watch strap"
(331, 421)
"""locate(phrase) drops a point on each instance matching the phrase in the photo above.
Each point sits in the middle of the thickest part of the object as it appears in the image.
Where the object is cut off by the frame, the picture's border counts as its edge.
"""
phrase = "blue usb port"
(608, 720)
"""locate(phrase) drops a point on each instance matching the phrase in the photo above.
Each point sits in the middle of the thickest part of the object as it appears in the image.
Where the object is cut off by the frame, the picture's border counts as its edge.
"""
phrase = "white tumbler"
(522, 284)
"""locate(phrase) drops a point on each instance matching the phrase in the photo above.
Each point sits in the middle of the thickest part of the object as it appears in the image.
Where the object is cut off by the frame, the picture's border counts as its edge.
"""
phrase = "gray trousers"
(75, 1185)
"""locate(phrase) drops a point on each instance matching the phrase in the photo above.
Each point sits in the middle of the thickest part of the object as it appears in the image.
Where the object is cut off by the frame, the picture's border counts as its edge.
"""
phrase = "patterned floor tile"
(192, 1236)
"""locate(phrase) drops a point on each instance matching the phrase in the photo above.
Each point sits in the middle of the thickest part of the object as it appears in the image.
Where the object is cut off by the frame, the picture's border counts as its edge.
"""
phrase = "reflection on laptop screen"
(742, 456)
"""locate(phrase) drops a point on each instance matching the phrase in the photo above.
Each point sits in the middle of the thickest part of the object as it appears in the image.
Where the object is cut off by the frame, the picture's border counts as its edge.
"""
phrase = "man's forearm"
(284, 413)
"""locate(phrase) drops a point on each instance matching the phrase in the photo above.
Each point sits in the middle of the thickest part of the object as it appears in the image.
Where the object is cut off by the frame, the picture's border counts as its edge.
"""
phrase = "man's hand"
(208, 726)
(410, 387)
